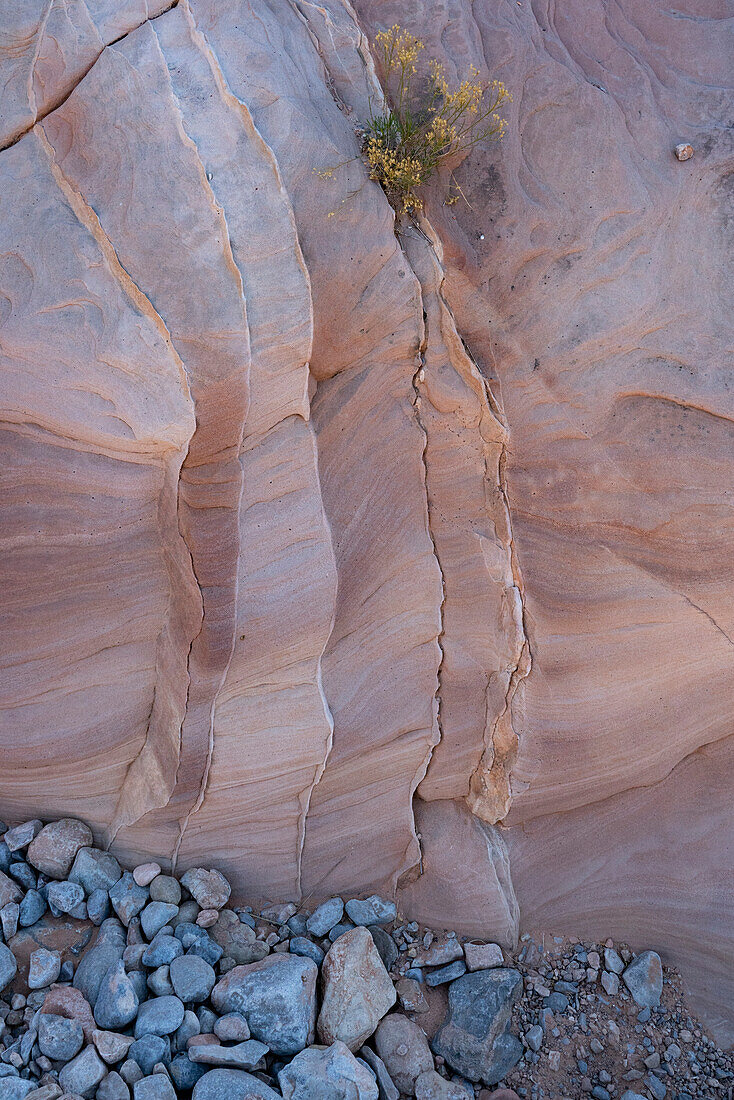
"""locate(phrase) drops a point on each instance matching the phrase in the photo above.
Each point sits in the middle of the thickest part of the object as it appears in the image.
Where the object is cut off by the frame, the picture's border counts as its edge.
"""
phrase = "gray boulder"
(277, 996)
(98, 960)
(330, 1074)
(159, 1016)
(232, 1084)
(54, 850)
(59, 1039)
(117, 1002)
(644, 979)
(83, 1073)
(475, 1039)
(95, 870)
(404, 1049)
(192, 978)
(8, 966)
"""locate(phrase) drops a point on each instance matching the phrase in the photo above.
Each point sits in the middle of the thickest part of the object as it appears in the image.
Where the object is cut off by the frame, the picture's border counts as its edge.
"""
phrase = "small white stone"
(684, 151)
(145, 873)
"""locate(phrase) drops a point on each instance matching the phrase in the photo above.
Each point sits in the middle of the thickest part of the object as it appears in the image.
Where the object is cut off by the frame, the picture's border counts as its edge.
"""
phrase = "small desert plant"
(404, 146)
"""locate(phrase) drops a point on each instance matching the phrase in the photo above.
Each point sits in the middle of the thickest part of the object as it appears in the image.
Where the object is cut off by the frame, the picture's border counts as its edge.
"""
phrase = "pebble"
(411, 996)
(159, 1016)
(446, 974)
(300, 945)
(58, 1038)
(404, 1049)
(165, 888)
(21, 836)
(155, 1087)
(144, 873)
(483, 956)
(357, 990)
(244, 1055)
(373, 910)
(55, 847)
(684, 151)
(63, 897)
(31, 908)
(644, 979)
(209, 889)
(325, 916)
(95, 870)
(439, 954)
(8, 966)
(192, 978)
(534, 1037)
(155, 915)
(232, 1084)
(83, 1073)
(9, 890)
(44, 968)
(111, 1046)
(656, 1086)
(432, 1086)
(385, 945)
(232, 1028)
(385, 1084)
(128, 899)
(117, 1001)
(610, 982)
(9, 917)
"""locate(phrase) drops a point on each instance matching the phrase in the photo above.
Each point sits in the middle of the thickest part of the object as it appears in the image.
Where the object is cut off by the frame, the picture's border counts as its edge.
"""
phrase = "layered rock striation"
(350, 556)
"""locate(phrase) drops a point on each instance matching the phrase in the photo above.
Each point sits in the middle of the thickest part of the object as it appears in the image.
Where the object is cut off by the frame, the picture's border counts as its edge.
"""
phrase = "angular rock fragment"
(232, 1084)
(54, 849)
(475, 1039)
(644, 979)
(209, 889)
(357, 990)
(327, 1074)
(277, 996)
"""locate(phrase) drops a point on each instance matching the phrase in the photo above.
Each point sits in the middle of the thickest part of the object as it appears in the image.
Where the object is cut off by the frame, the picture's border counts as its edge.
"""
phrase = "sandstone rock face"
(351, 561)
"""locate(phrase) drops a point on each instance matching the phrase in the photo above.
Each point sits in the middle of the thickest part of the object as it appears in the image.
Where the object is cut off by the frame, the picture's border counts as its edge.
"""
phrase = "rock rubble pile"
(136, 985)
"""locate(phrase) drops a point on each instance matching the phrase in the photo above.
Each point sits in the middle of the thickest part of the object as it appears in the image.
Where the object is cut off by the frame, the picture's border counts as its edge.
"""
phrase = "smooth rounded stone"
(208, 951)
(206, 1018)
(159, 982)
(184, 1072)
(107, 951)
(21, 835)
(9, 890)
(277, 995)
(64, 1000)
(357, 990)
(95, 870)
(138, 980)
(130, 1071)
(8, 966)
(207, 918)
(474, 1038)
(245, 1055)
(483, 956)
(165, 888)
(644, 979)
(44, 968)
(144, 873)
(190, 1026)
(232, 1084)
(232, 1028)
(444, 974)
(113, 1088)
(373, 910)
(300, 945)
(325, 916)
(327, 1074)
(117, 1001)
(128, 899)
(111, 1046)
(209, 889)
(162, 950)
(62, 897)
(534, 1037)
(155, 1087)
(31, 909)
(83, 1073)
(187, 912)
(237, 940)
(192, 978)
(432, 1086)
(411, 996)
(160, 1016)
(155, 915)
(54, 849)
(15, 1088)
(149, 1051)
(9, 916)
(556, 1002)
(404, 1049)
(297, 923)
(385, 944)
(58, 1038)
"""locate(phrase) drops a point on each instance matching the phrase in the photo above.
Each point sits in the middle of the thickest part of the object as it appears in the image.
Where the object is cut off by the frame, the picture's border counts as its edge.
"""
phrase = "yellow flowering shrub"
(404, 146)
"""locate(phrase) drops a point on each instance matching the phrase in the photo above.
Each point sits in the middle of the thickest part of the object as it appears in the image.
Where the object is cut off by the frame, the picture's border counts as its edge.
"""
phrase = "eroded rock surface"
(308, 521)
